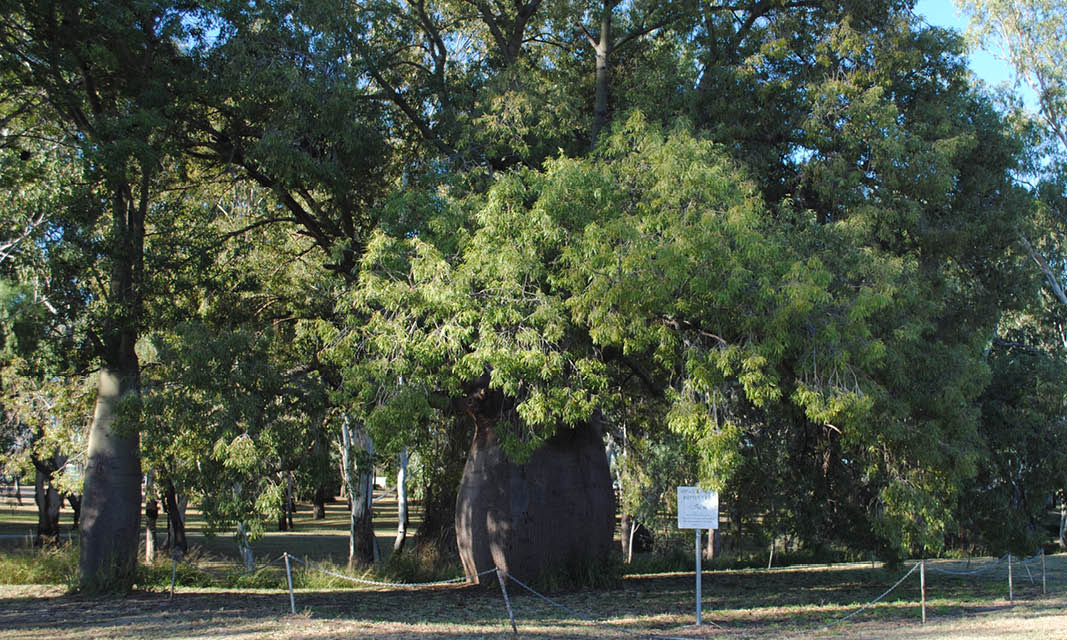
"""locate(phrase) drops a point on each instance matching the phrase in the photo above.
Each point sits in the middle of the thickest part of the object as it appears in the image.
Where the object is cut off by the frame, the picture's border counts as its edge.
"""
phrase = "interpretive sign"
(697, 508)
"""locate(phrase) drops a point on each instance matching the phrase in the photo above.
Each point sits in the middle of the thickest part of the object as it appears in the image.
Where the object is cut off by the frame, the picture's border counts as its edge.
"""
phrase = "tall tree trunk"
(18, 489)
(401, 502)
(358, 479)
(111, 502)
(603, 48)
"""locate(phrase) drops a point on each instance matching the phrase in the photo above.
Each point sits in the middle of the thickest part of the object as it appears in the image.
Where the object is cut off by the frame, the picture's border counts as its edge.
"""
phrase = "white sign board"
(697, 508)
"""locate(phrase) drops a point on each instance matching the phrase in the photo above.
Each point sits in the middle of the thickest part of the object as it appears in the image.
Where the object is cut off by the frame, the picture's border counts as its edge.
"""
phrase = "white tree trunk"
(630, 541)
(401, 502)
(150, 521)
(1063, 525)
(359, 481)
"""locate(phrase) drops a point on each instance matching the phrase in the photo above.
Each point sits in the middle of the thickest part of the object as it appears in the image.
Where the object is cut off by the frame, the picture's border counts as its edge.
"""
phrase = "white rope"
(224, 574)
(873, 602)
(583, 617)
(376, 583)
(973, 572)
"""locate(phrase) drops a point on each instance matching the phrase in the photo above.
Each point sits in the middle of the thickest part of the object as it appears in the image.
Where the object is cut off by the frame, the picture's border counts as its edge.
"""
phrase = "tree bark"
(603, 48)
(554, 513)
(179, 546)
(48, 502)
(401, 502)
(18, 490)
(361, 544)
(111, 500)
(151, 512)
(244, 547)
(111, 504)
(75, 502)
(319, 503)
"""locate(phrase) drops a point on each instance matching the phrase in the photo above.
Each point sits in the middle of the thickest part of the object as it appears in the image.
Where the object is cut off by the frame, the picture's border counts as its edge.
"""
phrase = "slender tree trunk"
(284, 520)
(624, 533)
(151, 512)
(401, 502)
(48, 501)
(361, 543)
(631, 534)
(1063, 526)
(18, 490)
(179, 546)
(290, 497)
(603, 71)
(714, 541)
(75, 502)
(244, 547)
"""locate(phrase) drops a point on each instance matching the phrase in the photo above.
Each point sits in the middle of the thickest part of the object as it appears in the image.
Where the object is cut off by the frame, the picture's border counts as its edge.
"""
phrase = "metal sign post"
(698, 509)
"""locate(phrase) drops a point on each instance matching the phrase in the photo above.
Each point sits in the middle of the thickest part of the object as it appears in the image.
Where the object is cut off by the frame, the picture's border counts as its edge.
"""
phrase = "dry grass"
(795, 602)
(791, 603)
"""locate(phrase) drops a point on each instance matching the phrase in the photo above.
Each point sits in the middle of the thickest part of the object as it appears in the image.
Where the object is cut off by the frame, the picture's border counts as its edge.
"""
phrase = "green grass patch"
(49, 565)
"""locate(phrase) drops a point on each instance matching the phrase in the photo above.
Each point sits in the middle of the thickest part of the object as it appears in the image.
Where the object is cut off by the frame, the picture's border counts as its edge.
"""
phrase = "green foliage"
(780, 263)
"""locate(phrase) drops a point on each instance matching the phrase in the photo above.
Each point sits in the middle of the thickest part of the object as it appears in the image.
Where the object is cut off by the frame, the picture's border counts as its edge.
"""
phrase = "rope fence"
(1034, 567)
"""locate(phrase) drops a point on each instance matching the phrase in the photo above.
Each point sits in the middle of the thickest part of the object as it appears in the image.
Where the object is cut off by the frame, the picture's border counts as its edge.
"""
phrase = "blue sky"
(942, 13)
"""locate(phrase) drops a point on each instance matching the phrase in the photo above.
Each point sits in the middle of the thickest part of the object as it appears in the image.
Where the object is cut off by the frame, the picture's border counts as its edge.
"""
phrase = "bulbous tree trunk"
(111, 503)
(555, 512)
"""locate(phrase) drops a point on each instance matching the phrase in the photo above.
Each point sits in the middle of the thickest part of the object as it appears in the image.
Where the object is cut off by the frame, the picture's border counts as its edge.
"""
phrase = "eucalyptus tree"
(1028, 34)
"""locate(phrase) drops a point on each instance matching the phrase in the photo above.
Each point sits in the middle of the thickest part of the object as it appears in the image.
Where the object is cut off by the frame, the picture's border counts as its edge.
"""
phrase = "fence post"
(289, 579)
(1011, 586)
(699, 571)
(922, 586)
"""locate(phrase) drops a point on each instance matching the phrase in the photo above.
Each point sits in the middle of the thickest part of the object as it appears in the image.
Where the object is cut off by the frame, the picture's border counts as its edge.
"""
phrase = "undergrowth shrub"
(46, 565)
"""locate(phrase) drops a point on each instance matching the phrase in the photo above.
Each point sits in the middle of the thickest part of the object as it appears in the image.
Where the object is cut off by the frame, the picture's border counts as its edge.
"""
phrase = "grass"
(212, 601)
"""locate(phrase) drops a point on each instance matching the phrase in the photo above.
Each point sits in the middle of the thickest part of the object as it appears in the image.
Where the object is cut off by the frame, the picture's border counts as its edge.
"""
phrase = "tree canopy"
(787, 241)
